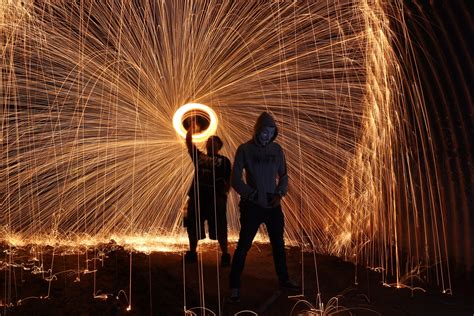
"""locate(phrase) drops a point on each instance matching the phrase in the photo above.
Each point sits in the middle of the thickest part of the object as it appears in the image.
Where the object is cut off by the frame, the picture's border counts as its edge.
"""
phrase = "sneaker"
(225, 260)
(234, 295)
(289, 285)
(190, 257)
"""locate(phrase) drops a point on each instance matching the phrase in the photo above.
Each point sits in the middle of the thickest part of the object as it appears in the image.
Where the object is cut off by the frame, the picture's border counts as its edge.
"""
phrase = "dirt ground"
(162, 285)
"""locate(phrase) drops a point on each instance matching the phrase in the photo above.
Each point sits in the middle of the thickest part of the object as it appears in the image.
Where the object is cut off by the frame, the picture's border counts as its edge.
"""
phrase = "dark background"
(442, 37)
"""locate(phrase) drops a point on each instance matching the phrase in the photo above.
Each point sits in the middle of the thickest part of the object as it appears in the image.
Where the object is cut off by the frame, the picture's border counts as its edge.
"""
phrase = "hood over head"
(264, 120)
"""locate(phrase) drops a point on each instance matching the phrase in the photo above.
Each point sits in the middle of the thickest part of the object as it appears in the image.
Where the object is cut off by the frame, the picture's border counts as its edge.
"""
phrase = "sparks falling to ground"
(89, 151)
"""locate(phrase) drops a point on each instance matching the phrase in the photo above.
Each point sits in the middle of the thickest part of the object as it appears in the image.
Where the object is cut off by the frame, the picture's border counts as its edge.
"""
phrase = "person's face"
(212, 145)
(265, 135)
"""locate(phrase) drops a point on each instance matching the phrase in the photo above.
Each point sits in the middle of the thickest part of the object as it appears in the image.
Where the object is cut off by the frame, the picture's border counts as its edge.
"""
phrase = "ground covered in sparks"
(161, 286)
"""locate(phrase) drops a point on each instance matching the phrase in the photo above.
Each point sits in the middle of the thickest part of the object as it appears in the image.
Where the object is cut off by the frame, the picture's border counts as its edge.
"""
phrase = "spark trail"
(89, 90)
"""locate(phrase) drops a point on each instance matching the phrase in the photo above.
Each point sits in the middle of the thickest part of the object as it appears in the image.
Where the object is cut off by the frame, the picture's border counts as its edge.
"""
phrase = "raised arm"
(199, 158)
(189, 142)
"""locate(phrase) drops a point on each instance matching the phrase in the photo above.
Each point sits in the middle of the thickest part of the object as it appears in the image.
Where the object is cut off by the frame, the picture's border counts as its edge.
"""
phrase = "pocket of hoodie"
(270, 198)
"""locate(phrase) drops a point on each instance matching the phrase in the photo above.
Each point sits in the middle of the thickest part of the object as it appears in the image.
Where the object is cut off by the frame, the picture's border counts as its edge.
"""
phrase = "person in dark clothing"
(260, 194)
(208, 196)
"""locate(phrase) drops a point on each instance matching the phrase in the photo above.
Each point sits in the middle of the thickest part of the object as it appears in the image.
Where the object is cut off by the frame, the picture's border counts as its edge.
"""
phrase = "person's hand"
(253, 196)
(275, 200)
(194, 127)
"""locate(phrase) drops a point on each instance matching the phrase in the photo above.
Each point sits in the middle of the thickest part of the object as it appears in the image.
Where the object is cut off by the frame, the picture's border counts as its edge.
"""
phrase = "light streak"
(89, 90)
(190, 107)
(247, 311)
(203, 311)
(333, 307)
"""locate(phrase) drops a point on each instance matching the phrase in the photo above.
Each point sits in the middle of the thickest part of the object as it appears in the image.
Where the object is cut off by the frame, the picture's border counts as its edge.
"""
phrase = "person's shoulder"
(276, 145)
(227, 160)
(224, 157)
(245, 145)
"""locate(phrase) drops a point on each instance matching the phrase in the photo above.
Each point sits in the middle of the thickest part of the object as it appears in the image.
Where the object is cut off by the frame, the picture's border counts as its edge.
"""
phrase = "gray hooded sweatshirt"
(265, 167)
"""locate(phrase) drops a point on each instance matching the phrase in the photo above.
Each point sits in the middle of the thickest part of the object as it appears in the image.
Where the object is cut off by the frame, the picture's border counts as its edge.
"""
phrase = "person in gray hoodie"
(266, 182)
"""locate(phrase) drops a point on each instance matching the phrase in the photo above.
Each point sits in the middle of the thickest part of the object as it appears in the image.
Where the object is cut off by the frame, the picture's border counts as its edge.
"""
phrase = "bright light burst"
(191, 108)
(89, 90)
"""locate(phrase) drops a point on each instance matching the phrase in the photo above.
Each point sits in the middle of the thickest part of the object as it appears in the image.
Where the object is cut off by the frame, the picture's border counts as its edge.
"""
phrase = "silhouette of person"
(207, 195)
(266, 182)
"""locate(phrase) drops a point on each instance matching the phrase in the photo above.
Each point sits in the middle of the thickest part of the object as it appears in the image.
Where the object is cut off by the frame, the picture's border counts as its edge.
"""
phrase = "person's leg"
(193, 242)
(249, 222)
(211, 218)
(222, 232)
(202, 215)
(221, 213)
(275, 223)
(223, 243)
(191, 227)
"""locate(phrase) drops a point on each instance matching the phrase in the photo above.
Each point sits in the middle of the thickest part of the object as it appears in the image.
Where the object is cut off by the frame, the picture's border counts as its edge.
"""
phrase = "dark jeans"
(201, 210)
(251, 217)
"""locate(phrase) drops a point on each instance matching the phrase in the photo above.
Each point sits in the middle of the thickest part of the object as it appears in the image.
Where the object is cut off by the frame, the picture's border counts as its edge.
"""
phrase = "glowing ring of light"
(178, 123)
